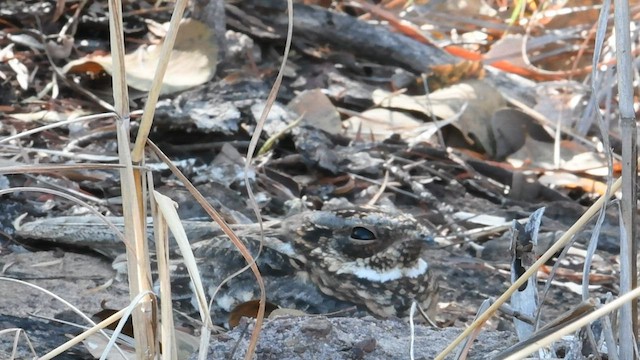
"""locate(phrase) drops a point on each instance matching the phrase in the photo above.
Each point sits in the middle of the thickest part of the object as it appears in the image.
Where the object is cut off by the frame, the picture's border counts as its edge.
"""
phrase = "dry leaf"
(96, 344)
(60, 48)
(472, 103)
(22, 73)
(510, 129)
(318, 110)
(509, 49)
(381, 123)
(105, 313)
(48, 116)
(193, 61)
(248, 309)
(449, 74)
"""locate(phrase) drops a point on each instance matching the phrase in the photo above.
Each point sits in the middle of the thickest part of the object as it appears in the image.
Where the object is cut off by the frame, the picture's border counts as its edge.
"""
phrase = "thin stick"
(628, 243)
(532, 270)
(574, 326)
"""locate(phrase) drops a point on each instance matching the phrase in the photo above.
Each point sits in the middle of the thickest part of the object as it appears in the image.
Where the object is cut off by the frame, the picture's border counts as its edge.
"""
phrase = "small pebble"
(320, 327)
(366, 345)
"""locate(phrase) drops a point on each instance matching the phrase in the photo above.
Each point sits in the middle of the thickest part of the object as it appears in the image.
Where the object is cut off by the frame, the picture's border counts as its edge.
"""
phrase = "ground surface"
(77, 278)
(348, 338)
(205, 131)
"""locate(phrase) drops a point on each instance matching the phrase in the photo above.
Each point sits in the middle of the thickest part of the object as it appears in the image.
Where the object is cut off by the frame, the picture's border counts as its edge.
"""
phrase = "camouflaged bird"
(321, 262)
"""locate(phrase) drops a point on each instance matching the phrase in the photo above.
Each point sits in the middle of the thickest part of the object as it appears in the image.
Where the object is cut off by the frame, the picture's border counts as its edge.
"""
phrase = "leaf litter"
(456, 141)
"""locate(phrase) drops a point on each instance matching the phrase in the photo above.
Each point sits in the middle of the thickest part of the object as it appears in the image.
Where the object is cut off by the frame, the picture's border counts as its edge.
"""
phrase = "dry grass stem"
(218, 219)
(247, 167)
(80, 337)
(154, 92)
(77, 201)
(139, 270)
(16, 340)
(166, 207)
(575, 326)
(63, 301)
(55, 125)
(628, 330)
(45, 168)
(564, 239)
(161, 236)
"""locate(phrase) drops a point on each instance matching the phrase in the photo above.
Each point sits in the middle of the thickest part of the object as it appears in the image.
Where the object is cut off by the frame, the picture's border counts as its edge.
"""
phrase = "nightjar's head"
(367, 257)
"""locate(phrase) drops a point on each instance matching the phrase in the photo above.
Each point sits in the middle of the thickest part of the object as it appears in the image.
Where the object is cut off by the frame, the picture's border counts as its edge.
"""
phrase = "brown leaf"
(248, 309)
(105, 313)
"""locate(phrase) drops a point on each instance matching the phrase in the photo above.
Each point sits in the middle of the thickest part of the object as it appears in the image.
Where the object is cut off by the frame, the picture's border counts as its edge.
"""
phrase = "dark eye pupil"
(362, 233)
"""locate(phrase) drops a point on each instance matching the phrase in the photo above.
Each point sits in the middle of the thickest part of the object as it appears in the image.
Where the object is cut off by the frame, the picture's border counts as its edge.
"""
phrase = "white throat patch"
(367, 273)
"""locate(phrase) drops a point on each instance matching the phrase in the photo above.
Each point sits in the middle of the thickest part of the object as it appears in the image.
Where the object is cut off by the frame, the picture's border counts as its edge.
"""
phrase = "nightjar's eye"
(362, 242)
(361, 233)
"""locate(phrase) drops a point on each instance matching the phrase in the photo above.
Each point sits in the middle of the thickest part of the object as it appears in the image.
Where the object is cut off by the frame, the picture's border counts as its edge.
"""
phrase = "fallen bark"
(320, 26)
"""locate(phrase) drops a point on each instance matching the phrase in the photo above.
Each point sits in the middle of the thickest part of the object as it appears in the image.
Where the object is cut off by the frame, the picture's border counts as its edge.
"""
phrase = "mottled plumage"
(323, 261)
(317, 261)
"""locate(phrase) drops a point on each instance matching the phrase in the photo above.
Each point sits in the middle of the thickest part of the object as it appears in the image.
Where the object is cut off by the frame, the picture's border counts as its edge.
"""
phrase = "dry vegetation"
(483, 63)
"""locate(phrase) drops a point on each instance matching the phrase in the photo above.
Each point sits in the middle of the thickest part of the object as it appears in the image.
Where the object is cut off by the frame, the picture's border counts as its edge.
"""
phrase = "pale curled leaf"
(193, 61)
(97, 345)
(381, 123)
(317, 110)
(472, 103)
(22, 73)
(167, 207)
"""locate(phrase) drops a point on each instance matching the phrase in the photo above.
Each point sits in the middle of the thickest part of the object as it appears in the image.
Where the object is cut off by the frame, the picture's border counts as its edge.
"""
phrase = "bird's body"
(324, 261)
(316, 261)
